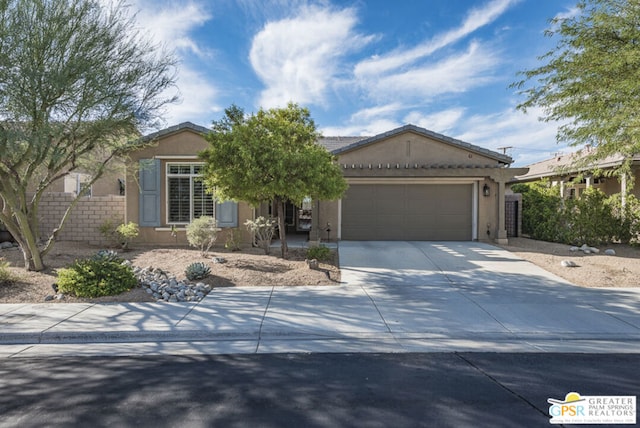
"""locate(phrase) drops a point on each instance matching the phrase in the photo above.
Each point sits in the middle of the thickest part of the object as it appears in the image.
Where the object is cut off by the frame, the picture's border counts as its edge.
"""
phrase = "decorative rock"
(610, 252)
(587, 251)
(313, 264)
(219, 260)
(574, 249)
(164, 287)
(594, 250)
(568, 263)
(5, 245)
(49, 298)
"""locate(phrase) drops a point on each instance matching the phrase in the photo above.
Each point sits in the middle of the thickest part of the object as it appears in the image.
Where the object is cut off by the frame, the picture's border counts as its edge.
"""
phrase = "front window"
(187, 198)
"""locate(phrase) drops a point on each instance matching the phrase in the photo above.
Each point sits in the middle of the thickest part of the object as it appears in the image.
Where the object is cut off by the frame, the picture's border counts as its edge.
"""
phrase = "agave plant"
(197, 270)
(107, 256)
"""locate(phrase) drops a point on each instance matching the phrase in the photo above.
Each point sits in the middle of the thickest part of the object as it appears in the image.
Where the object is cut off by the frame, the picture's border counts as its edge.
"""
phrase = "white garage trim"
(415, 180)
(474, 213)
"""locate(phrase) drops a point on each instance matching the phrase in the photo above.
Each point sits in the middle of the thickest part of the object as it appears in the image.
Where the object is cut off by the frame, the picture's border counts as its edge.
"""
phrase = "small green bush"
(197, 270)
(95, 278)
(6, 277)
(202, 233)
(119, 235)
(319, 253)
(126, 233)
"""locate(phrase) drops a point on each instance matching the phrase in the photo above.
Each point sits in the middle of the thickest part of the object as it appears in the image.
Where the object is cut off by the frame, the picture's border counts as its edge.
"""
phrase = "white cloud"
(568, 14)
(375, 112)
(198, 99)
(374, 127)
(531, 140)
(298, 58)
(455, 74)
(476, 19)
(172, 24)
(441, 122)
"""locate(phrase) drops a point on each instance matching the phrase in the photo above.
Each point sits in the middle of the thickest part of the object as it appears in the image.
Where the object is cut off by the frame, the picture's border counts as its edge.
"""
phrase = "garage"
(420, 212)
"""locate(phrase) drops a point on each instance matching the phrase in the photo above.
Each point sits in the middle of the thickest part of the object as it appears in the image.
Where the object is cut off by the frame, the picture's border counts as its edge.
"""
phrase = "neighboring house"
(405, 184)
(560, 171)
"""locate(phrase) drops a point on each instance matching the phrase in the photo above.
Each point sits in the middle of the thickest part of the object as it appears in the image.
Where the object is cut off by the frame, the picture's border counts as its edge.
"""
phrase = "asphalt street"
(305, 390)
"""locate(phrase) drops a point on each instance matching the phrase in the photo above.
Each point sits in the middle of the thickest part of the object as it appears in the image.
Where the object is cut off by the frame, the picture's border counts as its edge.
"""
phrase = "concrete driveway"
(394, 297)
(469, 289)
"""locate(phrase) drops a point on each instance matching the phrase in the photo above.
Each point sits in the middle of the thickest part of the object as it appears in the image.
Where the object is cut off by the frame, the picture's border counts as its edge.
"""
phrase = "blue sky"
(363, 67)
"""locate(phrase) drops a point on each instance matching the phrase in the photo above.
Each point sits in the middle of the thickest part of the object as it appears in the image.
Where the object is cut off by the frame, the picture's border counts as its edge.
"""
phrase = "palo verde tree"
(77, 83)
(591, 79)
(271, 156)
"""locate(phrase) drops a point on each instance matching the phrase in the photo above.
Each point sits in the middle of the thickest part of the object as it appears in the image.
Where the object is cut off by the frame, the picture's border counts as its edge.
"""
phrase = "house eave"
(504, 159)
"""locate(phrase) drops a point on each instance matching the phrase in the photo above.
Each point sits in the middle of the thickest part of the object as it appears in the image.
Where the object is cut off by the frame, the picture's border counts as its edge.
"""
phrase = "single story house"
(561, 171)
(405, 184)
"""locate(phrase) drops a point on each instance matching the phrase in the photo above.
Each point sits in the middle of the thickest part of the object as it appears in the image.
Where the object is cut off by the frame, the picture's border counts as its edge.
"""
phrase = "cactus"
(197, 270)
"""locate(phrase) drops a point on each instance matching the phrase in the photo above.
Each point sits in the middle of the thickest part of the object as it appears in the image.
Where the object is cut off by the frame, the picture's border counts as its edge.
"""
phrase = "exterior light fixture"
(486, 190)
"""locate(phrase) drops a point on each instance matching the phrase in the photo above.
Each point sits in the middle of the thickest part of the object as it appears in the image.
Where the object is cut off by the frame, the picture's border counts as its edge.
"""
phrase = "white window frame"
(192, 175)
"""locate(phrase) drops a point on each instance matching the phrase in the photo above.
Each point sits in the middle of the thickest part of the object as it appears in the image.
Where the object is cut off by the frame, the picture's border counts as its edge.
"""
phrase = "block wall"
(85, 218)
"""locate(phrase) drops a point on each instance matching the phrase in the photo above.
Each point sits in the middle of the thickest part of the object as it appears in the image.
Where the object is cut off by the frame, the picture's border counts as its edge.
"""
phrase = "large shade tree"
(77, 83)
(590, 80)
(271, 156)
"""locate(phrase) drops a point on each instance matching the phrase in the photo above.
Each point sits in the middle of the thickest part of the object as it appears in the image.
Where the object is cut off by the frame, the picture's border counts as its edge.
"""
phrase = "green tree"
(270, 156)
(77, 83)
(590, 79)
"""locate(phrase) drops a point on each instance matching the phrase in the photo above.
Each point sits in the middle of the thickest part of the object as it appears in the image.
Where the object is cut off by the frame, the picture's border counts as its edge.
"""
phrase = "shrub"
(95, 278)
(263, 230)
(202, 233)
(541, 212)
(108, 230)
(234, 240)
(119, 235)
(197, 270)
(319, 253)
(126, 233)
(590, 219)
(628, 218)
(6, 277)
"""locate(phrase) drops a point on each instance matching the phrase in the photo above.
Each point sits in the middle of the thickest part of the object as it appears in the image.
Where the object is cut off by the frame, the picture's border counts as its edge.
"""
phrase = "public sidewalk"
(414, 297)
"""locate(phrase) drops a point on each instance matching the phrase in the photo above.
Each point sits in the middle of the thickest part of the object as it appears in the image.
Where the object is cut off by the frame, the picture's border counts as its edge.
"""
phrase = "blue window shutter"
(227, 214)
(149, 215)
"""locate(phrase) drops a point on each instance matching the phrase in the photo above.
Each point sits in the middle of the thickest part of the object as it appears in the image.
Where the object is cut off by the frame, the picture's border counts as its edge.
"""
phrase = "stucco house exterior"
(405, 184)
(561, 171)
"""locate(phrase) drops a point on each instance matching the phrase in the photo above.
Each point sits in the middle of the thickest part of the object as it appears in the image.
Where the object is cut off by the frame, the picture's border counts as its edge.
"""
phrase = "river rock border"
(163, 286)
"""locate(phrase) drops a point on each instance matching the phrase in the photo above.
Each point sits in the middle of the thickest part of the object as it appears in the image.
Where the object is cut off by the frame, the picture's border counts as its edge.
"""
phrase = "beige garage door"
(418, 212)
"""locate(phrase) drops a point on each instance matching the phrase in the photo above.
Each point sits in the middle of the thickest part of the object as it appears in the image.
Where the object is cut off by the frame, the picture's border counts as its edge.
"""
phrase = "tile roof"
(338, 145)
(176, 128)
(564, 164)
(333, 144)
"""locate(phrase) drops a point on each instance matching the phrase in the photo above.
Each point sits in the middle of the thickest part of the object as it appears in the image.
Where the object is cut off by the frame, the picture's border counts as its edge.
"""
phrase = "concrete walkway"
(394, 297)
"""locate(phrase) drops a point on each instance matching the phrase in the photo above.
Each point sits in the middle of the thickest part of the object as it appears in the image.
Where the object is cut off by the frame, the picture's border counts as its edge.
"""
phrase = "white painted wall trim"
(177, 157)
(474, 210)
(415, 180)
